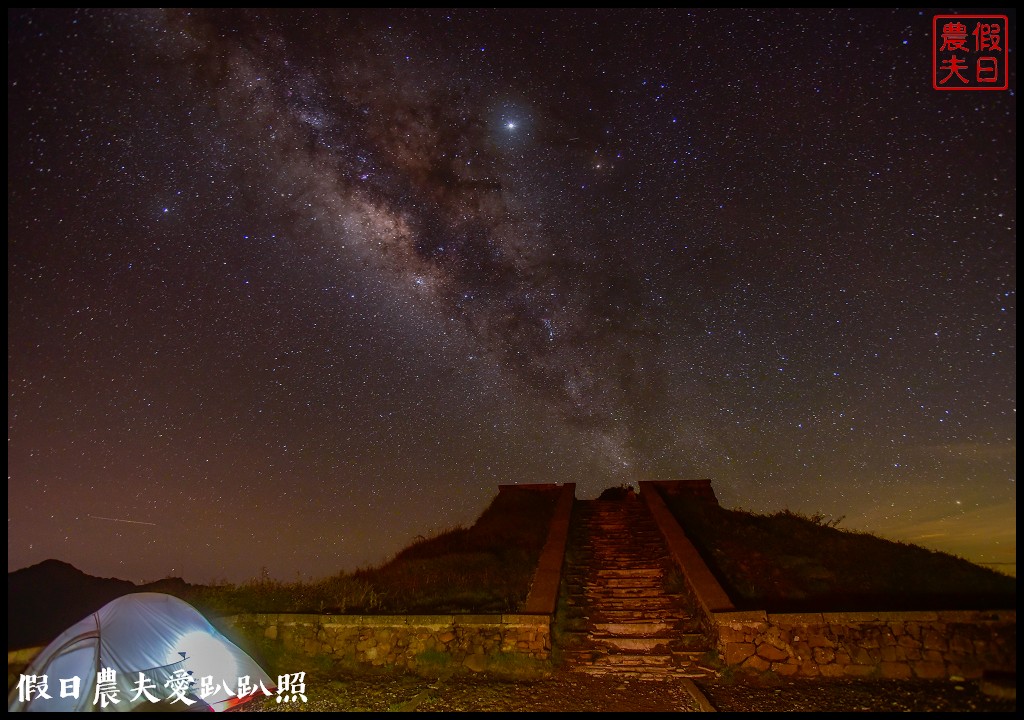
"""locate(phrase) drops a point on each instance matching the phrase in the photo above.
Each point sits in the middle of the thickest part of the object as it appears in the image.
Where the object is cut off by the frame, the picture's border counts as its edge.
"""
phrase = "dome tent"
(154, 634)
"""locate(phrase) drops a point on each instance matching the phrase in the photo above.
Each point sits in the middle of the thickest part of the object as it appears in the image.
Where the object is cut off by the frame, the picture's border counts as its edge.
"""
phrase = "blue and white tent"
(178, 653)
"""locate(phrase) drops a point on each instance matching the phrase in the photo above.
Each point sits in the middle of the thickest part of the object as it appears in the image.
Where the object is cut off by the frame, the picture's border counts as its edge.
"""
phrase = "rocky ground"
(572, 692)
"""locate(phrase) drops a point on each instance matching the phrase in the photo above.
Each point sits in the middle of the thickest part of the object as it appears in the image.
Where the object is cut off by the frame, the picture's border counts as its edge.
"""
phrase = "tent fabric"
(150, 633)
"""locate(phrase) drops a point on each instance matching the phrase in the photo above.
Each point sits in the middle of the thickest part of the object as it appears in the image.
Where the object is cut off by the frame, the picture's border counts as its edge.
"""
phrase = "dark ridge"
(45, 599)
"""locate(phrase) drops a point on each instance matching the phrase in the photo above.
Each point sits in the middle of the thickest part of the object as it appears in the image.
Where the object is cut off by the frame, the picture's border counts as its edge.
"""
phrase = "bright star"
(510, 125)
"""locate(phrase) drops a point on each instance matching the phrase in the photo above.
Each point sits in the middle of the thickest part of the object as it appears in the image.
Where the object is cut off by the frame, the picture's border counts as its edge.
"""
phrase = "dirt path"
(574, 692)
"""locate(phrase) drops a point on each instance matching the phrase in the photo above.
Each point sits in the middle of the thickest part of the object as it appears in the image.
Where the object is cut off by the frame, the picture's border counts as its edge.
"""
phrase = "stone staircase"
(619, 616)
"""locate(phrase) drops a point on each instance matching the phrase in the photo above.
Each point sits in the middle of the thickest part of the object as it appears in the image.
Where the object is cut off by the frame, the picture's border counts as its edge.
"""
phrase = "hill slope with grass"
(789, 562)
(485, 568)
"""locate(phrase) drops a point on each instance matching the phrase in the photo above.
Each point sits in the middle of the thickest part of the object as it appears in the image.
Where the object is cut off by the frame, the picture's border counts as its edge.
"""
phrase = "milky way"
(288, 288)
(403, 163)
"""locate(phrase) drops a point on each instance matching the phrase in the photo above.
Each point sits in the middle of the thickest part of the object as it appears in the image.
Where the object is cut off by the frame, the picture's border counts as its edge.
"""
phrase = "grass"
(790, 562)
(485, 568)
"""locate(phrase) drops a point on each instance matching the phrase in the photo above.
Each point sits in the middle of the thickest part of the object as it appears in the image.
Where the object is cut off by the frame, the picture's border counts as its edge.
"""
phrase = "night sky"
(287, 289)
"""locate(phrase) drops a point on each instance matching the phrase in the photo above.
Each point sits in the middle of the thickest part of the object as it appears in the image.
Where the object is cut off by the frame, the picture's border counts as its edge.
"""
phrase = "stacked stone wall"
(891, 645)
(411, 642)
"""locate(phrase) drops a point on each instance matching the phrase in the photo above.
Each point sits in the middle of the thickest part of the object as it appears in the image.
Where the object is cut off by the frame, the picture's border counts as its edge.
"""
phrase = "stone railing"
(924, 644)
(543, 596)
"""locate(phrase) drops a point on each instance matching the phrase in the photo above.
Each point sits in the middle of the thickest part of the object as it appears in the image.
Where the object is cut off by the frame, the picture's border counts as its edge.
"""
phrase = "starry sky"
(287, 289)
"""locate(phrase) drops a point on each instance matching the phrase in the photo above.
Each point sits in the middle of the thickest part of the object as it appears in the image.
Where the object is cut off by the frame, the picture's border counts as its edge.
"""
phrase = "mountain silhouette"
(45, 599)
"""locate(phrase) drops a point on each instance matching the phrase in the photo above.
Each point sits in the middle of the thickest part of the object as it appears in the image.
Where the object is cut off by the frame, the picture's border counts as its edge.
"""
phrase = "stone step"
(630, 572)
(598, 615)
(652, 675)
(653, 609)
(636, 531)
(625, 617)
(604, 657)
(625, 592)
(620, 569)
(642, 644)
(634, 660)
(625, 669)
(593, 584)
(597, 618)
(652, 579)
(632, 582)
(633, 629)
(616, 563)
(589, 584)
(619, 599)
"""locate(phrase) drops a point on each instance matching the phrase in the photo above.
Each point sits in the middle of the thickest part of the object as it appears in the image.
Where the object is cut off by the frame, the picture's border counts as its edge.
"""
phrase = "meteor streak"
(134, 522)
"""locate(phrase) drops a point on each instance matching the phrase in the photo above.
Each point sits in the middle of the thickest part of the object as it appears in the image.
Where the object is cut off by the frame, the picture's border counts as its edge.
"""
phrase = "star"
(740, 293)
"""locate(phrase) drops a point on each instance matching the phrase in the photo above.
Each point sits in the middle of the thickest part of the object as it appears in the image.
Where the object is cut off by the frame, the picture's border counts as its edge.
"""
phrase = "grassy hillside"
(486, 568)
(788, 562)
(785, 562)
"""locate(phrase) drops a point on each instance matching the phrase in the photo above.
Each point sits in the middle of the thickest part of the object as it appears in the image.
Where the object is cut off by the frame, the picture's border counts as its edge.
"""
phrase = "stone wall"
(476, 643)
(893, 645)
